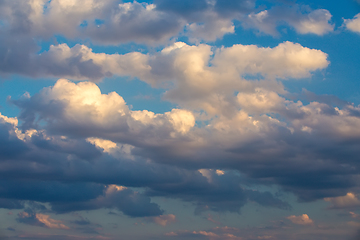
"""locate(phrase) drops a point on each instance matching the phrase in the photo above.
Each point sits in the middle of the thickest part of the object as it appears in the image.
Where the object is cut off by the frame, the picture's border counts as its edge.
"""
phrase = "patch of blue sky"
(16, 86)
(341, 77)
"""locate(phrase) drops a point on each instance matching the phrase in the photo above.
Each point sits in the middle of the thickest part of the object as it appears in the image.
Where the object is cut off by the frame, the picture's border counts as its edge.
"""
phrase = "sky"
(179, 119)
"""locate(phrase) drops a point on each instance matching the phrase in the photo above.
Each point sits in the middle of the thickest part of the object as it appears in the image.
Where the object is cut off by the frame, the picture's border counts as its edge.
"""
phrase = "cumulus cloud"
(106, 22)
(133, 145)
(312, 22)
(113, 22)
(213, 28)
(350, 200)
(353, 24)
(316, 22)
(80, 62)
(73, 100)
(301, 220)
(173, 138)
(47, 164)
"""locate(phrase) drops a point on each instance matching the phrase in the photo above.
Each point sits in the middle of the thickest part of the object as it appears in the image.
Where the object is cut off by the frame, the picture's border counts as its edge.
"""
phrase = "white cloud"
(211, 29)
(208, 84)
(301, 220)
(353, 24)
(207, 81)
(83, 105)
(287, 60)
(315, 21)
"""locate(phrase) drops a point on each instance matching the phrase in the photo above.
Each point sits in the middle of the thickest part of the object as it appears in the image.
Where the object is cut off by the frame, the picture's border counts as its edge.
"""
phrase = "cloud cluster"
(113, 22)
(235, 128)
(80, 111)
(26, 23)
(49, 159)
(313, 22)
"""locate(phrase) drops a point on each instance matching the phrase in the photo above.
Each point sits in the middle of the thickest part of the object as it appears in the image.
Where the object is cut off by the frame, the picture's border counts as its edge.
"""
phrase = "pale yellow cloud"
(301, 220)
(348, 201)
(86, 105)
(49, 222)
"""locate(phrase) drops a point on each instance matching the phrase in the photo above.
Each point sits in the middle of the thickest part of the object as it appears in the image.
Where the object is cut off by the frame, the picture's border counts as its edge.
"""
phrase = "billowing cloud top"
(229, 130)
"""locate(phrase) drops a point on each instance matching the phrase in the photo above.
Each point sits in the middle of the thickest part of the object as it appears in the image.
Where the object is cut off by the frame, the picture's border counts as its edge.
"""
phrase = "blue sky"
(207, 119)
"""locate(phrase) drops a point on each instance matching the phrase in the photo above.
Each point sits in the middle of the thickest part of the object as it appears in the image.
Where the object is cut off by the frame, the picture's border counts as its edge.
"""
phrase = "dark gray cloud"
(20, 56)
(229, 7)
(81, 149)
(45, 174)
(218, 193)
(68, 197)
(10, 146)
(46, 191)
(131, 203)
(11, 204)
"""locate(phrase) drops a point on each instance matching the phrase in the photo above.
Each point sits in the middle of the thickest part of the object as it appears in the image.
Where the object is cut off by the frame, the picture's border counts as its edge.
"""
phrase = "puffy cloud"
(350, 200)
(213, 28)
(108, 22)
(78, 114)
(78, 62)
(80, 111)
(83, 105)
(314, 21)
(209, 85)
(295, 60)
(353, 24)
(49, 159)
(171, 64)
(301, 220)
(111, 22)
